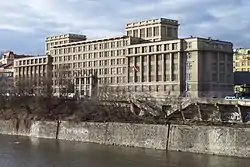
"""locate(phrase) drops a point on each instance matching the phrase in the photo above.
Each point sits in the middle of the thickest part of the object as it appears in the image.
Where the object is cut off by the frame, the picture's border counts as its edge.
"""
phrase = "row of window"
(135, 50)
(242, 69)
(244, 63)
(31, 61)
(153, 32)
(91, 47)
(89, 56)
(153, 78)
(101, 71)
(110, 62)
(153, 48)
(244, 57)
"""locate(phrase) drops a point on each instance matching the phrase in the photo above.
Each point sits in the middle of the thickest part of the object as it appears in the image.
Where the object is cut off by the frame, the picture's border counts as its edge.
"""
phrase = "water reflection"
(52, 153)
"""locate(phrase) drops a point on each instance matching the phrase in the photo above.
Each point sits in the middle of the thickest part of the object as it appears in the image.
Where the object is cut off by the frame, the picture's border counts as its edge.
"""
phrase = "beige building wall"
(161, 68)
(33, 72)
(104, 57)
(165, 67)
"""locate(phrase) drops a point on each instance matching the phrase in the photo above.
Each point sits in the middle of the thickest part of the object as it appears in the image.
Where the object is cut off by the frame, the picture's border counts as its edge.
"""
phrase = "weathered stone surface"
(8, 127)
(199, 139)
(210, 139)
(24, 127)
(135, 135)
(44, 129)
(73, 131)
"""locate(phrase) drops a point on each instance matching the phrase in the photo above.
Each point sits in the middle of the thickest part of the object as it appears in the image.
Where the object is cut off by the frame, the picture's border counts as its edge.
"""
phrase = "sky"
(24, 24)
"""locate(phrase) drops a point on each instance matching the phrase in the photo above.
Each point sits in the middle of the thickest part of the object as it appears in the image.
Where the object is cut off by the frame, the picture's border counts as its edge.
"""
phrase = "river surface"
(16, 151)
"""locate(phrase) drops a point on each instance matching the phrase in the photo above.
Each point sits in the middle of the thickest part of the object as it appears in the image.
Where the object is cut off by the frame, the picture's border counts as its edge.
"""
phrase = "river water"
(16, 151)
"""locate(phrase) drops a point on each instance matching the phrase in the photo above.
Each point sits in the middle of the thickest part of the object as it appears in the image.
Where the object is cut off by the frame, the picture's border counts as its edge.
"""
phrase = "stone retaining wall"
(41, 129)
(124, 134)
(198, 139)
(210, 139)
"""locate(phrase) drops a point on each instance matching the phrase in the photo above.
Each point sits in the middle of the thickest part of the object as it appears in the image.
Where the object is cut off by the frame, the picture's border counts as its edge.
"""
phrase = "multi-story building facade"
(33, 74)
(241, 68)
(7, 71)
(241, 59)
(150, 58)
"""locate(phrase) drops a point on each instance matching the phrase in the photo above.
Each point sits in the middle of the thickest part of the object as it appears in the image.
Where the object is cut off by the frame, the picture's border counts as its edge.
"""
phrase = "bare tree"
(3, 90)
(64, 80)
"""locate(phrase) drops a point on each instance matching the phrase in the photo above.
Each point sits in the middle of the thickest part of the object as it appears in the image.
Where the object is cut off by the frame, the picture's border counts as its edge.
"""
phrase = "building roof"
(152, 21)
(6, 65)
(242, 51)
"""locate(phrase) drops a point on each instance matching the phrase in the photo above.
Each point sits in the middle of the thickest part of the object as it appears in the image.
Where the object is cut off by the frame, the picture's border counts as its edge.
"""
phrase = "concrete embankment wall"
(135, 135)
(210, 139)
(197, 139)
(41, 129)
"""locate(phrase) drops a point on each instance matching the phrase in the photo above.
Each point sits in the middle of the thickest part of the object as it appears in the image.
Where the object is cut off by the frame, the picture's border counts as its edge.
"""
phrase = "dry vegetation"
(53, 108)
(34, 101)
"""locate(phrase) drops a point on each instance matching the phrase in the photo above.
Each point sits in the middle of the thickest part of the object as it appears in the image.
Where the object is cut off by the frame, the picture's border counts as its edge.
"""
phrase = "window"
(149, 32)
(189, 55)
(174, 46)
(130, 51)
(136, 34)
(137, 50)
(169, 31)
(166, 47)
(189, 65)
(151, 48)
(156, 31)
(158, 48)
(142, 32)
(129, 33)
(214, 77)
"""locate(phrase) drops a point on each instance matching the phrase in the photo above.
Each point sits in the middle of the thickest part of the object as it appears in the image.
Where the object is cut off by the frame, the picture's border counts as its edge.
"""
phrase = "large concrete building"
(149, 58)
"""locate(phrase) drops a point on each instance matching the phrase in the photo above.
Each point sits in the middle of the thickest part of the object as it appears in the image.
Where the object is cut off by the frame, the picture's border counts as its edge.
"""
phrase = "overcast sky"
(24, 24)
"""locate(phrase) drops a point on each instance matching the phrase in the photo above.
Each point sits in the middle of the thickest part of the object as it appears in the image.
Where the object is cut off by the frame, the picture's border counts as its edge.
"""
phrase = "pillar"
(141, 69)
(156, 67)
(134, 71)
(85, 85)
(148, 68)
(170, 66)
(80, 87)
(163, 67)
(90, 85)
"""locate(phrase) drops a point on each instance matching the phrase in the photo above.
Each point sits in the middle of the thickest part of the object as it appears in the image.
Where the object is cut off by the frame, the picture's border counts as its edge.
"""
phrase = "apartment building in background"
(241, 59)
(242, 70)
(7, 71)
(149, 59)
(33, 74)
